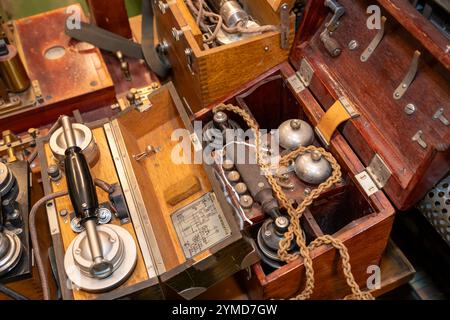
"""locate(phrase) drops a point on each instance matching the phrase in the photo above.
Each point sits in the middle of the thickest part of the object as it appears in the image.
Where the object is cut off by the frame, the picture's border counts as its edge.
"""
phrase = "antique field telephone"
(15, 249)
(164, 229)
(101, 257)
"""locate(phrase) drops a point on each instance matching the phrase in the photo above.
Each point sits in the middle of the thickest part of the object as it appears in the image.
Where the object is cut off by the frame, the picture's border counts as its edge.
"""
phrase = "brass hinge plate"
(375, 177)
(302, 78)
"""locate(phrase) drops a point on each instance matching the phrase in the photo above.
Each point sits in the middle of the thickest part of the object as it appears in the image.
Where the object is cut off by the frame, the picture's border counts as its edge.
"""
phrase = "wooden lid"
(404, 138)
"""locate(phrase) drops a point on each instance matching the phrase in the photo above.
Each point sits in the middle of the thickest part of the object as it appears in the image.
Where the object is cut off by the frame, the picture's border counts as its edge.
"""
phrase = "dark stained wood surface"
(110, 15)
(384, 127)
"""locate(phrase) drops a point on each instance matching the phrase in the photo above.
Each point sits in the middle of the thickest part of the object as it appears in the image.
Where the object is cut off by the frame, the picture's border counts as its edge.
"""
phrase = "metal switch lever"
(331, 45)
(149, 150)
(338, 11)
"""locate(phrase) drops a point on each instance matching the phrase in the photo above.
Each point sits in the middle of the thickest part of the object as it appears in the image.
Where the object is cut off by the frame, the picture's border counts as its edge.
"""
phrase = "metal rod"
(69, 135)
(94, 241)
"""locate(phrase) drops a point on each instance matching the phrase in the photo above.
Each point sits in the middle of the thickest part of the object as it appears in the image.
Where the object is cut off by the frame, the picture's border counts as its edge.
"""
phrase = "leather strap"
(340, 112)
(112, 42)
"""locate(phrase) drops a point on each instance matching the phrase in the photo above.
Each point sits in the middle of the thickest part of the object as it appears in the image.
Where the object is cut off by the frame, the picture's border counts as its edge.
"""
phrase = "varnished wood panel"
(384, 127)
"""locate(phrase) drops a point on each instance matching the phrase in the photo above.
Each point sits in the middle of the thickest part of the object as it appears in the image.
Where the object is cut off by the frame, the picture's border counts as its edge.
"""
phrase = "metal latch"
(375, 177)
(284, 26)
(340, 112)
(306, 72)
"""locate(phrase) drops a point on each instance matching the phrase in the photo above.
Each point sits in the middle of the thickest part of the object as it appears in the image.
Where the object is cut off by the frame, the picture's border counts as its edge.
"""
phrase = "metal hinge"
(302, 78)
(375, 177)
(379, 171)
(296, 83)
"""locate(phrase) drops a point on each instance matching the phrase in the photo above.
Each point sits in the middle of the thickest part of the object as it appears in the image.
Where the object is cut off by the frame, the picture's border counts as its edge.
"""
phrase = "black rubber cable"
(12, 293)
(35, 241)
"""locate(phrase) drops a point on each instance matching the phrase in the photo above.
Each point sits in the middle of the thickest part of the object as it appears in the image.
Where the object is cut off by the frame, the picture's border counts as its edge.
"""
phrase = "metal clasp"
(401, 89)
(375, 41)
(149, 150)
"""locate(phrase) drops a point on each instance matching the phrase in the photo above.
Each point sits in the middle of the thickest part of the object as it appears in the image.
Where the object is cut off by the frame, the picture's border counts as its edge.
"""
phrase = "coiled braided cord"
(296, 213)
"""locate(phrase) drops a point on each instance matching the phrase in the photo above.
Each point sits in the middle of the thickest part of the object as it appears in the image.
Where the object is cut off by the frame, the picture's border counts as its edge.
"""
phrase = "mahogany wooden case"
(362, 222)
(385, 127)
(375, 142)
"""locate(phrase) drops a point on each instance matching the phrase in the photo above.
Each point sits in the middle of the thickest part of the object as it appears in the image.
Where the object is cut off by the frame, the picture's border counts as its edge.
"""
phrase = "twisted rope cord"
(295, 214)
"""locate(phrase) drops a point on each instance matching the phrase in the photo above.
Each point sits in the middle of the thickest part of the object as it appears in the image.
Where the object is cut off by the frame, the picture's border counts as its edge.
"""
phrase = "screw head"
(234, 176)
(267, 233)
(246, 201)
(282, 222)
(353, 45)
(220, 117)
(410, 109)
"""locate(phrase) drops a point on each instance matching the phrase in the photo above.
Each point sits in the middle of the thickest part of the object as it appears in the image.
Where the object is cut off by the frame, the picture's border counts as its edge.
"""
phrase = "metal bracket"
(196, 143)
(306, 72)
(375, 41)
(284, 26)
(340, 112)
(37, 91)
(52, 216)
(190, 61)
(418, 138)
(366, 182)
(439, 115)
(140, 98)
(379, 171)
(400, 91)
